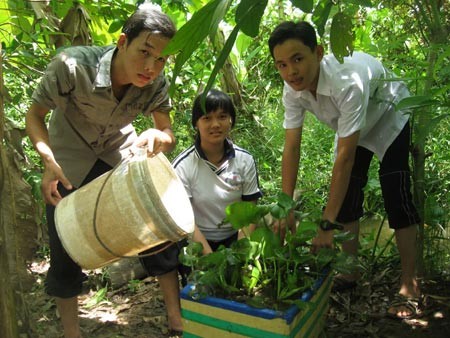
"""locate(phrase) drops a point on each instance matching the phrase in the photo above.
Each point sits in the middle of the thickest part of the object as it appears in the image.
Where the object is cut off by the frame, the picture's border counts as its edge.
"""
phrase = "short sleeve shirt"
(87, 121)
(211, 189)
(358, 95)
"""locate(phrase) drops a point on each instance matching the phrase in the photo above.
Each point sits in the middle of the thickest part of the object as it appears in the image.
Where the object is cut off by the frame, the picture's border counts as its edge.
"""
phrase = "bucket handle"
(136, 152)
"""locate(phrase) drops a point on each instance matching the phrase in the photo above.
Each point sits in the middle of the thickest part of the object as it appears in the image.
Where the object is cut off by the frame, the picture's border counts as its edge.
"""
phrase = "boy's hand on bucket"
(49, 185)
(155, 141)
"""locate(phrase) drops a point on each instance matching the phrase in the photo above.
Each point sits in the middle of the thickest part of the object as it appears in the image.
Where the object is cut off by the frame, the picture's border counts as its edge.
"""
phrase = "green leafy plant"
(261, 270)
(99, 297)
(134, 285)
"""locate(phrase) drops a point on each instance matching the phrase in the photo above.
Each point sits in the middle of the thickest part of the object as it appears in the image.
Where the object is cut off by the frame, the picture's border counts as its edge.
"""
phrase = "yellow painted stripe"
(201, 330)
(276, 325)
(311, 318)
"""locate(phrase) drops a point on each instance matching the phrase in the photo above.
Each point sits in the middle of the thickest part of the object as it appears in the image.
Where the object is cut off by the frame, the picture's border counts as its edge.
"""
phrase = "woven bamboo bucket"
(142, 204)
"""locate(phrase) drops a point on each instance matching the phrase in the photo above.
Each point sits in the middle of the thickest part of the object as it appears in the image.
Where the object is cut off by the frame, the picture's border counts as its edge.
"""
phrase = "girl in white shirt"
(216, 172)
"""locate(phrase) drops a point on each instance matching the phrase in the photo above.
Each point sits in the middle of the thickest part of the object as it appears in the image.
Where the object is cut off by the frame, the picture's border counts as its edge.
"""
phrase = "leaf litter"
(139, 311)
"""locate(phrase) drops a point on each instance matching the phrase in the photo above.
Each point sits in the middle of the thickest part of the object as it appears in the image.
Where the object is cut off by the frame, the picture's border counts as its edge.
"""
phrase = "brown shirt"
(87, 121)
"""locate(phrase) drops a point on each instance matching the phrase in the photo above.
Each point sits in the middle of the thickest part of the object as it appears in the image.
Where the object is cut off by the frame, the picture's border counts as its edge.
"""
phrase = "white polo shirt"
(212, 188)
(356, 95)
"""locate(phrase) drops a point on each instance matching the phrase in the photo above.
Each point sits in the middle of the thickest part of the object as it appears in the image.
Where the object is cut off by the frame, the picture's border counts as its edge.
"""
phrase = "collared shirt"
(211, 189)
(358, 95)
(88, 122)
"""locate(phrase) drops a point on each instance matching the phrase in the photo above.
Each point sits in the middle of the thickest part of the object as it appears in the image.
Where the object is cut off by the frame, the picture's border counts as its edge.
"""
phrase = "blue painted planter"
(215, 317)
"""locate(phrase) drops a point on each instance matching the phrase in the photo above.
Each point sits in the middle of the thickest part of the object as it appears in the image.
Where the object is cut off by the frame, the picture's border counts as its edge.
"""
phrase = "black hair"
(148, 18)
(302, 31)
(215, 99)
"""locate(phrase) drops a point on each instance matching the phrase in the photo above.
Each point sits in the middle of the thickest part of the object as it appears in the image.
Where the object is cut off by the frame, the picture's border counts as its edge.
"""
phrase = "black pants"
(395, 181)
(65, 277)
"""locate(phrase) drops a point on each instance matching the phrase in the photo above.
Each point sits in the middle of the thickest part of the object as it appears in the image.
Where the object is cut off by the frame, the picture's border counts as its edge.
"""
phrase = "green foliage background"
(387, 29)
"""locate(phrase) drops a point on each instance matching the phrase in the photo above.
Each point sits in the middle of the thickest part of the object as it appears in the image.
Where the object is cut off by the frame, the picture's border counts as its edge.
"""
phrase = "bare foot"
(175, 324)
(409, 288)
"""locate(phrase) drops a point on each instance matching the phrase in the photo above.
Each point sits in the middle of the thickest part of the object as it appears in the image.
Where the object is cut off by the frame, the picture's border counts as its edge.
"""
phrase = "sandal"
(341, 285)
(413, 305)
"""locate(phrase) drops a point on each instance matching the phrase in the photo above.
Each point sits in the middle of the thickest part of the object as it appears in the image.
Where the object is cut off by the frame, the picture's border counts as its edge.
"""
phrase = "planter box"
(214, 317)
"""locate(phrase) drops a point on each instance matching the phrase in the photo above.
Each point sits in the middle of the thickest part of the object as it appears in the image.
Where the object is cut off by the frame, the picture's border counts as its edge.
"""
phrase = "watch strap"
(326, 225)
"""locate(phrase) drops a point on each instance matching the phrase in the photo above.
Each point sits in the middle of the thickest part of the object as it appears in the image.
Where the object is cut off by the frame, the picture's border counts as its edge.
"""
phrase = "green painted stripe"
(320, 313)
(322, 309)
(190, 335)
(308, 314)
(227, 326)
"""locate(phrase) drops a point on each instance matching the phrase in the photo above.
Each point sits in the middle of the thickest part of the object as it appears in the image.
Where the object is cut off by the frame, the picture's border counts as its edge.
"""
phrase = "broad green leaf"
(99, 296)
(278, 212)
(222, 58)
(416, 102)
(285, 201)
(116, 25)
(324, 257)
(190, 254)
(321, 14)
(250, 277)
(303, 236)
(307, 226)
(245, 249)
(243, 42)
(305, 5)
(267, 239)
(213, 259)
(195, 248)
(249, 14)
(241, 214)
(193, 32)
(341, 36)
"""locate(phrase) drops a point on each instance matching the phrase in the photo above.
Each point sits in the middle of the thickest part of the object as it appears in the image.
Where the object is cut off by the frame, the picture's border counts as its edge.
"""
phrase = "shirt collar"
(228, 144)
(103, 78)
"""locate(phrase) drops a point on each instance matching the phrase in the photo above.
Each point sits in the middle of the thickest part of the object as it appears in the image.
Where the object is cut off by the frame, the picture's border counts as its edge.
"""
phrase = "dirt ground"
(137, 310)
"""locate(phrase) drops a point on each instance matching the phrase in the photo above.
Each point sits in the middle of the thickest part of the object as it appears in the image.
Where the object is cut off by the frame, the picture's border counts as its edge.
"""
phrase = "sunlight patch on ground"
(438, 315)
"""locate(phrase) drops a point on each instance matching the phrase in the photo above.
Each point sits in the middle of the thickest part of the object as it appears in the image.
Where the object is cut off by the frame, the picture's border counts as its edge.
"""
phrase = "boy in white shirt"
(357, 100)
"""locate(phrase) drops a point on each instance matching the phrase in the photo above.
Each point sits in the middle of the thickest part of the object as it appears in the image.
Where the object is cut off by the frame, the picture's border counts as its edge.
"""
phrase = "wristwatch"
(326, 225)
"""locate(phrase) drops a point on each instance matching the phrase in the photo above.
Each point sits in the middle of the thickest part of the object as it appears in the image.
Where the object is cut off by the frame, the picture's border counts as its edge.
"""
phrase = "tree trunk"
(124, 270)
(437, 34)
(8, 318)
(17, 230)
(228, 80)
